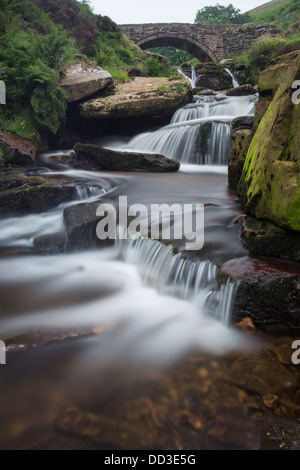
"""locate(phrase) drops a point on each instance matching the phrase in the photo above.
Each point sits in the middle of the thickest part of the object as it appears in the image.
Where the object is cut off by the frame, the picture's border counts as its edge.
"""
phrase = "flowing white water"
(192, 79)
(235, 82)
(21, 231)
(216, 107)
(199, 133)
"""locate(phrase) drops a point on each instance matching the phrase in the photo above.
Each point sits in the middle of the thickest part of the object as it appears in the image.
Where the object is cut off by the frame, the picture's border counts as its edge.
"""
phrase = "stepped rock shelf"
(143, 96)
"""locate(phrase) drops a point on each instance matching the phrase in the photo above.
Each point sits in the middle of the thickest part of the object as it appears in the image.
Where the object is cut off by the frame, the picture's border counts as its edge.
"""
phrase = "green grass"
(259, 56)
(164, 88)
(282, 13)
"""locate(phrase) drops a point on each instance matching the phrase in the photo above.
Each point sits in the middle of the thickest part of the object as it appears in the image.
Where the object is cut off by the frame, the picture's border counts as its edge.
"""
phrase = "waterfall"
(199, 133)
(192, 79)
(193, 142)
(171, 274)
(235, 82)
(226, 106)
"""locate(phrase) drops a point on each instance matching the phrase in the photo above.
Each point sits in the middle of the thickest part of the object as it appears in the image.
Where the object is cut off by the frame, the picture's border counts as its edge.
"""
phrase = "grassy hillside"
(280, 12)
(38, 38)
(286, 15)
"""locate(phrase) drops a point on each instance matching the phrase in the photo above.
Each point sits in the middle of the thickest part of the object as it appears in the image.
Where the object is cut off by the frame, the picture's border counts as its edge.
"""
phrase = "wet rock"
(270, 401)
(23, 194)
(81, 223)
(210, 75)
(17, 150)
(266, 239)
(261, 374)
(240, 144)
(81, 80)
(243, 122)
(283, 352)
(268, 290)
(142, 97)
(279, 433)
(243, 90)
(289, 408)
(111, 160)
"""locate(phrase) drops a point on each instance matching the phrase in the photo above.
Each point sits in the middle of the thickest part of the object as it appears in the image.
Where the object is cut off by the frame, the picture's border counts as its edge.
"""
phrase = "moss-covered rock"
(24, 194)
(111, 160)
(266, 239)
(270, 184)
(270, 79)
(240, 144)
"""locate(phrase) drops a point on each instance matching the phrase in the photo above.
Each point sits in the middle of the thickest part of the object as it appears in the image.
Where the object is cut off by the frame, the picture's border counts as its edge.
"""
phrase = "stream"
(130, 346)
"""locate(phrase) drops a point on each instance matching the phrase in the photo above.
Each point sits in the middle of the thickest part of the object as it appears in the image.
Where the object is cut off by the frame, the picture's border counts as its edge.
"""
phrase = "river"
(129, 346)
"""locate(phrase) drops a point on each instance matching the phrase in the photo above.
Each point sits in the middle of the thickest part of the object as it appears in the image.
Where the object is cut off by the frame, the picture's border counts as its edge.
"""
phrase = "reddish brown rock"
(17, 150)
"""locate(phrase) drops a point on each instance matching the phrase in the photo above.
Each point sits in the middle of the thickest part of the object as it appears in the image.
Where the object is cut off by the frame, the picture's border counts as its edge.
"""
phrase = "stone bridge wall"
(206, 42)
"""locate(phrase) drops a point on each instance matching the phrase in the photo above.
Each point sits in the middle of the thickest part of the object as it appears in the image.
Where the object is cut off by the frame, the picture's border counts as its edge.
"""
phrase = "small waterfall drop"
(192, 78)
(235, 82)
(199, 133)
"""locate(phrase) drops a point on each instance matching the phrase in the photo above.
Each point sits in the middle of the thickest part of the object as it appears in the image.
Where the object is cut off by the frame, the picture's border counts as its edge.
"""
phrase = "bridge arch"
(180, 41)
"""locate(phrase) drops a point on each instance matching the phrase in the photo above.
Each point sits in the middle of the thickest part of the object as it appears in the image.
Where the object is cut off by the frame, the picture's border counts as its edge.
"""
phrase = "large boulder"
(142, 97)
(267, 289)
(82, 80)
(270, 184)
(111, 160)
(210, 75)
(270, 79)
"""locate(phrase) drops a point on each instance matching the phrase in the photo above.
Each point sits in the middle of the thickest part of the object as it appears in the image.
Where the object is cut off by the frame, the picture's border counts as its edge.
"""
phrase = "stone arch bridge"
(205, 42)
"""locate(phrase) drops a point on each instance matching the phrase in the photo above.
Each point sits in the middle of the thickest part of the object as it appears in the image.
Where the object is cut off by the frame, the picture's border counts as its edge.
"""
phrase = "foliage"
(175, 56)
(258, 57)
(283, 13)
(220, 14)
(37, 39)
(33, 50)
(118, 55)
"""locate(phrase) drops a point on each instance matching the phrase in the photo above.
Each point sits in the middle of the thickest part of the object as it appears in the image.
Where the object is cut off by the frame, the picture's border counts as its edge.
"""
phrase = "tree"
(220, 14)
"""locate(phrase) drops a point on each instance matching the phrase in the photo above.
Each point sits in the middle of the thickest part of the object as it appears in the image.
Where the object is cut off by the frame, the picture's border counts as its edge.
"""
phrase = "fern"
(48, 100)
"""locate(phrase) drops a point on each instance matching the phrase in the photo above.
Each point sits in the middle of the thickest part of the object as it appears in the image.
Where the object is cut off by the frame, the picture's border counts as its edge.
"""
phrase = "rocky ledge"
(23, 193)
(110, 160)
(143, 96)
(268, 289)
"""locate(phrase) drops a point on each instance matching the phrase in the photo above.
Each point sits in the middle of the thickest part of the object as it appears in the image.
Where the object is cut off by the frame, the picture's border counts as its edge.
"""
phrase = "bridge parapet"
(206, 42)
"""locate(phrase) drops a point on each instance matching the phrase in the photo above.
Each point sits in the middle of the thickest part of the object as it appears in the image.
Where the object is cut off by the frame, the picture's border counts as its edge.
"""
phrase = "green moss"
(164, 88)
(270, 184)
